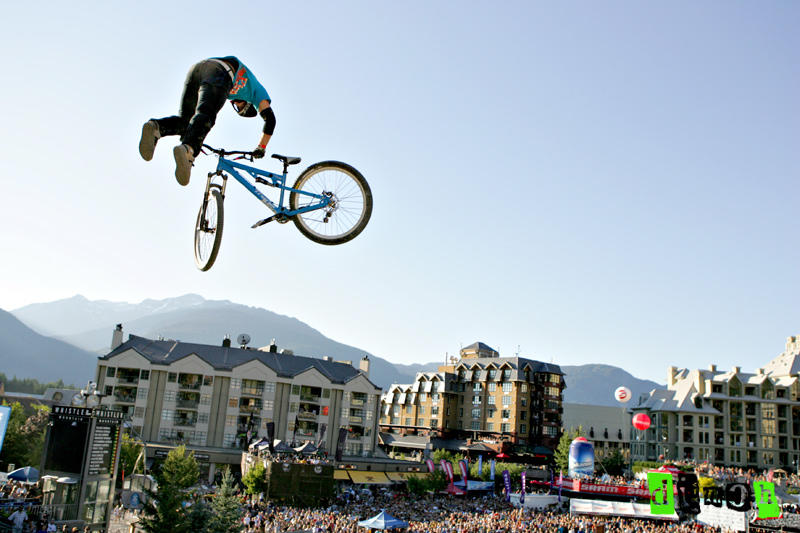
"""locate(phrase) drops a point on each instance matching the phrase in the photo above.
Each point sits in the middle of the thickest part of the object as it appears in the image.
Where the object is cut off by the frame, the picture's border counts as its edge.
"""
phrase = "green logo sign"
(766, 502)
(662, 501)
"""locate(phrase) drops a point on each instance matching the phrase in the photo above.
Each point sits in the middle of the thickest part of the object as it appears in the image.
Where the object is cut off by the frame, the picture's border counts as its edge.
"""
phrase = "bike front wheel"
(349, 206)
(208, 230)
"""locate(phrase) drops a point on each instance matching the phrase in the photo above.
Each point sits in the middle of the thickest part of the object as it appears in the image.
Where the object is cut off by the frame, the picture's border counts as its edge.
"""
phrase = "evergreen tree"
(165, 511)
(226, 510)
(24, 440)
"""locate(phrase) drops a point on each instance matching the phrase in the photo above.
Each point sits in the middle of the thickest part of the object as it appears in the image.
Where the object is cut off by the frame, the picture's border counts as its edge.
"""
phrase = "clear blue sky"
(593, 182)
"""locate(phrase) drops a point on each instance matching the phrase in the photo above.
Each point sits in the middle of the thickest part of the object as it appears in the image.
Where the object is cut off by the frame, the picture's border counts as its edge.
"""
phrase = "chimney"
(273, 347)
(712, 368)
(226, 342)
(116, 338)
(670, 376)
(363, 365)
(737, 369)
(760, 371)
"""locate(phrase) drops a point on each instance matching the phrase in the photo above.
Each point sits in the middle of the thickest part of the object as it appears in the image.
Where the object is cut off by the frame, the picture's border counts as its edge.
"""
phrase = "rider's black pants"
(204, 93)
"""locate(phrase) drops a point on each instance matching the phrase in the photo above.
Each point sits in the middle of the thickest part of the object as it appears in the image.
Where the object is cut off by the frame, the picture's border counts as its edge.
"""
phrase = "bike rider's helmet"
(245, 109)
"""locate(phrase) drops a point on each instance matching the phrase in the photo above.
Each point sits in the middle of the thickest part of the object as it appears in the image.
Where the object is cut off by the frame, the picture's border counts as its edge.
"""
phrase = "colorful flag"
(464, 471)
(560, 483)
(448, 469)
(522, 491)
(507, 485)
(431, 466)
(480, 466)
(491, 469)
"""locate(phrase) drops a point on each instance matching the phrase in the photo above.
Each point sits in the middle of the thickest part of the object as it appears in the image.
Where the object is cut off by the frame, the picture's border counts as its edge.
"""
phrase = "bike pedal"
(262, 222)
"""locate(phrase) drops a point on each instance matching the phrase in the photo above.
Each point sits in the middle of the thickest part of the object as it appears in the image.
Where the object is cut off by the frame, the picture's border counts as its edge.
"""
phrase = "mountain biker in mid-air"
(208, 84)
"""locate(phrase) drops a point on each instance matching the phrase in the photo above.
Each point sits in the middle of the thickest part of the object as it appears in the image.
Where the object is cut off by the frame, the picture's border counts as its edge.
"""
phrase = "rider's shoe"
(150, 135)
(184, 158)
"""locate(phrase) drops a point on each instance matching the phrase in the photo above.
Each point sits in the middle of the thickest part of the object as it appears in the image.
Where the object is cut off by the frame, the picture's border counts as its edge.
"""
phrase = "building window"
(435, 397)
(293, 408)
(551, 391)
(524, 415)
(208, 381)
(421, 422)
(269, 405)
(111, 372)
(476, 413)
(505, 428)
(523, 428)
(408, 421)
(492, 374)
(269, 388)
(142, 393)
(476, 425)
(233, 402)
(169, 396)
(138, 412)
(523, 402)
(506, 401)
(205, 399)
(167, 414)
(434, 410)
(109, 390)
(491, 412)
(506, 413)
(476, 400)
(434, 423)
(492, 387)
(507, 386)
(491, 400)
(490, 426)
(202, 418)
(476, 387)
(144, 375)
(524, 387)
(422, 409)
(550, 431)
(295, 390)
(230, 420)
(172, 377)
(460, 411)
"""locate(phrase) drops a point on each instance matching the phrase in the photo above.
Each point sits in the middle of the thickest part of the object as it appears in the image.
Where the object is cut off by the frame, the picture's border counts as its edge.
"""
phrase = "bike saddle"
(287, 160)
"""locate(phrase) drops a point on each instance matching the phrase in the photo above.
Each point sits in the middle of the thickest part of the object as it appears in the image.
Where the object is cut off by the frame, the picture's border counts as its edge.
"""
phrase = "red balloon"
(641, 421)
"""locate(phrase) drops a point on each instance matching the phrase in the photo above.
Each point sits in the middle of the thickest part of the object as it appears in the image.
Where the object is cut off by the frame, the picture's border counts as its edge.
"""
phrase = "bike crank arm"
(280, 217)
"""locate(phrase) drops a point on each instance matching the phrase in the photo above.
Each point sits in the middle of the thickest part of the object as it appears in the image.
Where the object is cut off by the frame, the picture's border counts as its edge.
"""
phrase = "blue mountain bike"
(330, 203)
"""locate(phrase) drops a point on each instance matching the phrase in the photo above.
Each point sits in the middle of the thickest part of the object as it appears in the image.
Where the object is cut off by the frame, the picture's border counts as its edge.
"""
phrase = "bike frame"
(277, 180)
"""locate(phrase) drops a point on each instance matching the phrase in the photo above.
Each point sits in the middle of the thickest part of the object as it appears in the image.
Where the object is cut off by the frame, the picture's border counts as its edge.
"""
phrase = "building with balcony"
(728, 417)
(215, 399)
(480, 396)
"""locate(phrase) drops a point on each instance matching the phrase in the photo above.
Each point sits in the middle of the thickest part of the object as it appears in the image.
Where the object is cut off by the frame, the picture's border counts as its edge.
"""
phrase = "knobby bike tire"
(354, 206)
(212, 231)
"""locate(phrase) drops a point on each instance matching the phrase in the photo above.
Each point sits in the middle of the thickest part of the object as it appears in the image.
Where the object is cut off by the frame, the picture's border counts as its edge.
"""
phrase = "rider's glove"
(258, 153)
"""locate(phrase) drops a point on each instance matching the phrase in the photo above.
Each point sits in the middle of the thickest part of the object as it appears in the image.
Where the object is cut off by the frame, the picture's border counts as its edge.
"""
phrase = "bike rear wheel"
(208, 230)
(349, 208)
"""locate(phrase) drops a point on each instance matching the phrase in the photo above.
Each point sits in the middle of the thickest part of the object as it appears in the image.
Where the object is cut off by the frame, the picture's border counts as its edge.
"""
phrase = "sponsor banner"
(596, 488)
(340, 443)
(507, 485)
(447, 471)
(480, 465)
(491, 469)
(431, 466)
(522, 490)
(464, 472)
(271, 436)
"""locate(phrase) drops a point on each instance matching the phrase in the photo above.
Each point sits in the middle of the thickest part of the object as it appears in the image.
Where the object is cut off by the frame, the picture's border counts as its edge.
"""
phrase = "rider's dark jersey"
(245, 85)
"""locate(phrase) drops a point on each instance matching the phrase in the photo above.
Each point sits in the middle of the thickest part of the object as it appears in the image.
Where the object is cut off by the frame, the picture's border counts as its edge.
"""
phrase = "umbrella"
(383, 520)
(260, 442)
(28, 474)
(501, 455)
(281, 447)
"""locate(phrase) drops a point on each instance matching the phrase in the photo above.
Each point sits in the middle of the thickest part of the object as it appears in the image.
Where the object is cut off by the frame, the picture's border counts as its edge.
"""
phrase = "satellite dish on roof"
(243, 339)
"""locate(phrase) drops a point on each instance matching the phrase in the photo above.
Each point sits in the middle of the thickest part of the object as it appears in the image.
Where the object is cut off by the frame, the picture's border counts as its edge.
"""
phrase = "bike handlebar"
(222, 152)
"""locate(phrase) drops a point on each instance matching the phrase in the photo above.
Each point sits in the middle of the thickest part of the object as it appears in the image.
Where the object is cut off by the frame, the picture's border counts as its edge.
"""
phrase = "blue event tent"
(383, 520)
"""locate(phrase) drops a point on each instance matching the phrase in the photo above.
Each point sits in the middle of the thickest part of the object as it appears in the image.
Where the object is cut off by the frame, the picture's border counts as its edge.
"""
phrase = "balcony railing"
(307, 415)
(183, 421)
(356, 401)
(246, 408)
(252, 391)
(195, 385)
(356, 419)
(128, 379)
(187, 404)
(125, 398)
(309, 398)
